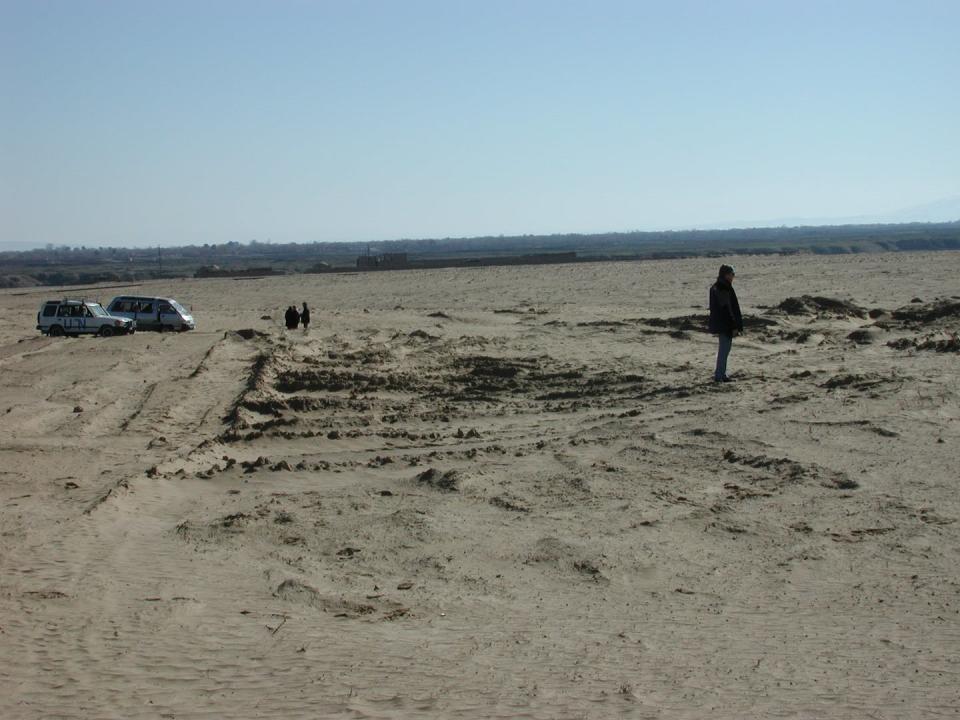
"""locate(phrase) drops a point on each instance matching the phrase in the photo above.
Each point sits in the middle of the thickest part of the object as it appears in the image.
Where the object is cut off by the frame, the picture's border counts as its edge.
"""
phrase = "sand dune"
(500, 492)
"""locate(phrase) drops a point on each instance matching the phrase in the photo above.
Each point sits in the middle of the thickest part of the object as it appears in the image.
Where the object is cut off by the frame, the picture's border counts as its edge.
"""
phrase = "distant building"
(382, 262)
(213, 271)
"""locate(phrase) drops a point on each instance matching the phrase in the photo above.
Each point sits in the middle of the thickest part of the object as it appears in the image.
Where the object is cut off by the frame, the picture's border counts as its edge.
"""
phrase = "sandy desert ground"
(499, 492)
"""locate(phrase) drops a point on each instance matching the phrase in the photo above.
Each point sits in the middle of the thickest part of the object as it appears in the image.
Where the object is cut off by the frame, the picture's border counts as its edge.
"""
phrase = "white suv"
(63, 317)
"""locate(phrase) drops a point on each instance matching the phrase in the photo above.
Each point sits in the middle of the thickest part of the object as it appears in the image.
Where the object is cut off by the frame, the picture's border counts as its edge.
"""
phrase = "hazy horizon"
(175, 124)
(902, 216)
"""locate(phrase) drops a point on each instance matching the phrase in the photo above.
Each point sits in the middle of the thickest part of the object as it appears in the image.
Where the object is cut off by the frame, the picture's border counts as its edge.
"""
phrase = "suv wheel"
(55, 331)
(106, 331)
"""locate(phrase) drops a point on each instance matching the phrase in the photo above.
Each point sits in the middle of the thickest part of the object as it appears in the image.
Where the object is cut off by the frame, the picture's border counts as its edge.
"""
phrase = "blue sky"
(144, 123)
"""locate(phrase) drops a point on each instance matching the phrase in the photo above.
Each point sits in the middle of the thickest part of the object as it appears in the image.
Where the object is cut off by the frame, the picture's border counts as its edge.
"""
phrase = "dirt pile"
(929, 312)
(448, 481)
(821, 306)
(938, 323)
(951, 343)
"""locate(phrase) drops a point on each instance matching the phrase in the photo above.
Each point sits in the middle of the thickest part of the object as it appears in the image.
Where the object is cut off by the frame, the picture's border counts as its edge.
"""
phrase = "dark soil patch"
(797, 336)
(228, 521)
(448, 481)
(862, 337)
(854, 381)
(45, 594)
(698, 323)
(842, 483)
(330, 380)
(927, 313)
(250, 333)
(602, 323)
(792, 470)
(506, 502)
(588, 568)
(781, 466)
(491, 367)
(817, 305)
(943, 345)
(421, 335)
(538, 378)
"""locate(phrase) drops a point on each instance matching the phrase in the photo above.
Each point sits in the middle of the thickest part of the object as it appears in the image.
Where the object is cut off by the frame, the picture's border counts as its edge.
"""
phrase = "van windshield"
(97, 310)
(178, 307)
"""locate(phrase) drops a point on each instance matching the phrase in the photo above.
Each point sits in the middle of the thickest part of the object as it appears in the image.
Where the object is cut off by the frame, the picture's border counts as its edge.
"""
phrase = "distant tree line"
(60, 265)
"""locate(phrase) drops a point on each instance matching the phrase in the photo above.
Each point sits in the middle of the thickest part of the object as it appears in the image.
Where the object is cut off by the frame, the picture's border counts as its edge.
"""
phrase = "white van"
(73, 317)
(152, 313)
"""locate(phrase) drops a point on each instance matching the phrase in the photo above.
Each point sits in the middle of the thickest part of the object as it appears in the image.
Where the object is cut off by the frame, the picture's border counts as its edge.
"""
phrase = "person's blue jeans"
(726, 342)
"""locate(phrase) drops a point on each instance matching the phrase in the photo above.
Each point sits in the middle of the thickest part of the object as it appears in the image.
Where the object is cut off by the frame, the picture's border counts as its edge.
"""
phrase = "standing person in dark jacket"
(305, 317)
(292, 318)
(725, 318)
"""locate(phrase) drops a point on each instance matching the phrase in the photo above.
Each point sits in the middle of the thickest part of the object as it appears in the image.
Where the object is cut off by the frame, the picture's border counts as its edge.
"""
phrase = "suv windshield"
(97, 310)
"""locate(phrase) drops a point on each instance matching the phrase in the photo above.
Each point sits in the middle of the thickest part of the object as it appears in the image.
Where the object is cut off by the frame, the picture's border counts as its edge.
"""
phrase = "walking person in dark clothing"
(305, 317)
(725, 318)
(292, 318)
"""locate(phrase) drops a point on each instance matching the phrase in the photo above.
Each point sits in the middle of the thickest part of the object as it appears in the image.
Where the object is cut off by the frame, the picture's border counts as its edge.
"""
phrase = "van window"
(165, 309)
(146, 307)
(49, 310)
